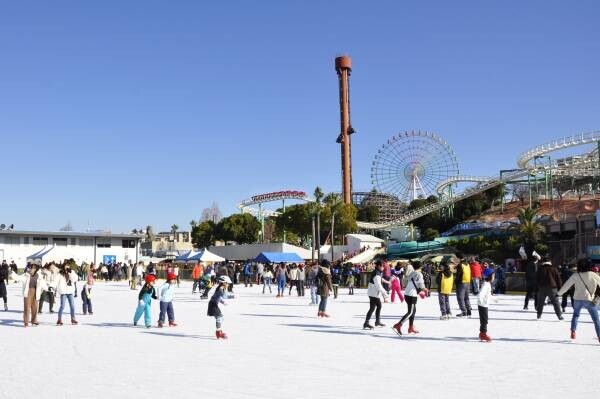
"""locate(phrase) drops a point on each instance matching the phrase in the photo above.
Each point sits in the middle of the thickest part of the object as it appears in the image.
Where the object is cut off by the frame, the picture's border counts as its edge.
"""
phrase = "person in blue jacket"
(213, 305)
(165, 295)
(147, 293)
(248, 275)
(280, 277)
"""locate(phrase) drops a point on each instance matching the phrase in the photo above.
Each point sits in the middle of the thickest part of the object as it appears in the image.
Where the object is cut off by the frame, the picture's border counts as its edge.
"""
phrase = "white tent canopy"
(206, 256)
(52, 254)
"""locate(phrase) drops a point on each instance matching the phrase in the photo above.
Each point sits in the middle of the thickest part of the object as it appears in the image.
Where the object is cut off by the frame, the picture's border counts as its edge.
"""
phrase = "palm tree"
(318, 194)
(529, 229)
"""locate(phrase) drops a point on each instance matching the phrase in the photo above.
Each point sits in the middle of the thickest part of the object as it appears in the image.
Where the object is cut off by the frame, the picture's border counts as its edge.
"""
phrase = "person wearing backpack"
(587, 284)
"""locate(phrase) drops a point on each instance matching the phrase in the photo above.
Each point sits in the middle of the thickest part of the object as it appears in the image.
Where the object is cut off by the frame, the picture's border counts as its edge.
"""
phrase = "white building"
(97, 247)
(356, 242)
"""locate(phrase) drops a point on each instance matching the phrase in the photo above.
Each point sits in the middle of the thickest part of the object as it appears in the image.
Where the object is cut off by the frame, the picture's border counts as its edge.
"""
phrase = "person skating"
(336, 277)
(548, 281)
(415, 288)
(147, 293)
(33, 285)
(585, 282)
(65, 288)
(300, 280)
(50, 275)
(324, 287)
(351, 280)
(313, 271)
(165, 295)
(396, 288)
(445, 280)
(483, 302)
(476, 275)
(267, 277)
(280, 277)
(566, 273)
(197, 273)
(213, 305)
(86, 295)
(374, 290)
(531, 268)
(463, 283)
(4, 272)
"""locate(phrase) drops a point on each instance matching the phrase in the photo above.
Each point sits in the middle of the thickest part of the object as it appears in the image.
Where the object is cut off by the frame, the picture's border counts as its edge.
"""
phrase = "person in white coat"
(33, 286)
(483, 302)
(415, 288)
(50, 275)
(586, 282)
(65, 289)
(374, 290)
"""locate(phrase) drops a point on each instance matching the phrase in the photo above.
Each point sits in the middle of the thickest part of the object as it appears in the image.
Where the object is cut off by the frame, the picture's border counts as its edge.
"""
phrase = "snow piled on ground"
(278, 348)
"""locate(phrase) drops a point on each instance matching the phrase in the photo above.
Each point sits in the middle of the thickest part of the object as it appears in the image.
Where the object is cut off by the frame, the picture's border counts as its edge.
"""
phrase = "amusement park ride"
(417, 164)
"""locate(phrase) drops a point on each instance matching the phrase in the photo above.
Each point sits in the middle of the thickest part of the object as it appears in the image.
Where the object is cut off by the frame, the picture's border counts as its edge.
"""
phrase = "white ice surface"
(277, 348)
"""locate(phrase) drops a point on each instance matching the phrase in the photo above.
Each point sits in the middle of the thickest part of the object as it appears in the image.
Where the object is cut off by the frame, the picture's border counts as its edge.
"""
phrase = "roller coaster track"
(461, 179)
(469, 192)
(525, 158)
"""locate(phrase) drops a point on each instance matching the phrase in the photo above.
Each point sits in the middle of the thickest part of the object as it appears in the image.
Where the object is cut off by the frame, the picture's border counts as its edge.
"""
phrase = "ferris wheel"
(411, 164)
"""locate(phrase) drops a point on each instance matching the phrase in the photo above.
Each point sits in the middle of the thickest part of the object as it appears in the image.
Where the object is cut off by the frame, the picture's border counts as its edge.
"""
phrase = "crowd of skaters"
(409, 282)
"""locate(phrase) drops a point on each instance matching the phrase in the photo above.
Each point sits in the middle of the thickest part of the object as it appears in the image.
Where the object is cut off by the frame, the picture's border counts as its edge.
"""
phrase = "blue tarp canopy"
(185, 256)
(278, 257)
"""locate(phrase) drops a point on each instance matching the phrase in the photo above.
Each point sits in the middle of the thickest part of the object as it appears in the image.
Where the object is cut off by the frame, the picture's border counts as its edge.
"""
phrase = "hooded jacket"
(324, 279)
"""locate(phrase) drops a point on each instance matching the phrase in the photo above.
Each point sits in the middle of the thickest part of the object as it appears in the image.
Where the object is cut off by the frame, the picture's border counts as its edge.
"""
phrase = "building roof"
(365, 237)
(90, 234)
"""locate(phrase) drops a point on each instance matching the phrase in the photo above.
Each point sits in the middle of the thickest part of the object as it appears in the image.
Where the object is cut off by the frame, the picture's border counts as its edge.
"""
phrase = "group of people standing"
(47, 284)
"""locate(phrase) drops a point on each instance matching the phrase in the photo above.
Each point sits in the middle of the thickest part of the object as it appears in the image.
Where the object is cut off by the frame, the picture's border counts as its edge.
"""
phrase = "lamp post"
(332, 235)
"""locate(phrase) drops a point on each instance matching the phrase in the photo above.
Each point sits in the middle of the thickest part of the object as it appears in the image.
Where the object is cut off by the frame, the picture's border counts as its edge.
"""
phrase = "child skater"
(396, 288)
(86, 295)
(213, 305)
(445, 280)
(147, 293)
(165, 294)
(483, 301)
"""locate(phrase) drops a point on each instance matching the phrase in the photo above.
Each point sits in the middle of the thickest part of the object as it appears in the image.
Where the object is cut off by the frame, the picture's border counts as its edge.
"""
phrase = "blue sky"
(120, 114)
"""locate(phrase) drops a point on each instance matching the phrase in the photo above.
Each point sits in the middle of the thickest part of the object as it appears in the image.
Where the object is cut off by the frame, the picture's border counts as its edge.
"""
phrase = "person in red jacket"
(475, 276)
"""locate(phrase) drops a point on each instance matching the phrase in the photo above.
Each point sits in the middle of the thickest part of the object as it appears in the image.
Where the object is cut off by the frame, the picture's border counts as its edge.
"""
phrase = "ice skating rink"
(277, 348)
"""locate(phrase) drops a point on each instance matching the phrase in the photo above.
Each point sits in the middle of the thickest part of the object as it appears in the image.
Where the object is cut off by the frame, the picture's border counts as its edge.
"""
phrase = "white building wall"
(82, 249)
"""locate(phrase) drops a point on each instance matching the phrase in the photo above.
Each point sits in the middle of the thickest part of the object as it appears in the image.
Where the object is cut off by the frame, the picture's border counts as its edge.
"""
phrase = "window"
(128, 243)
(40, 241)
(73, 241)
(12, 240)
(25, 240)
(103, 243)
(86, 242)
(60, 241)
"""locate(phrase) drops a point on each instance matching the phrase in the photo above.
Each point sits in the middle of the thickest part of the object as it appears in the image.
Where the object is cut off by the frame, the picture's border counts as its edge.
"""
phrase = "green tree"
(203, 234)
(369, 213)
(241, 228)
(529, 229)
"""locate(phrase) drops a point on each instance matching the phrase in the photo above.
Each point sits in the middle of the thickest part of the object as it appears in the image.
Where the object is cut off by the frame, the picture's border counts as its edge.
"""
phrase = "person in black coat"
(4, 272)
(531, 283)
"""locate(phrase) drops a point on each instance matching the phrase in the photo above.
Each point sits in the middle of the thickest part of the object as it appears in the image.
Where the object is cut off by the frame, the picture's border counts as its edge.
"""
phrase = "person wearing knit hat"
(165, 295)
(147, 293)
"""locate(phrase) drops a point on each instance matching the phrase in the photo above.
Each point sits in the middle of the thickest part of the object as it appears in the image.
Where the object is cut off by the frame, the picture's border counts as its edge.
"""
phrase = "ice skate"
(412, 330)
(172, 324)
(160, 324)
(483, 337)
(367, 326)
(397, 328)
(59, 322)
(572, 334)
(379, 324)
(74, 322)
(6, 308)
